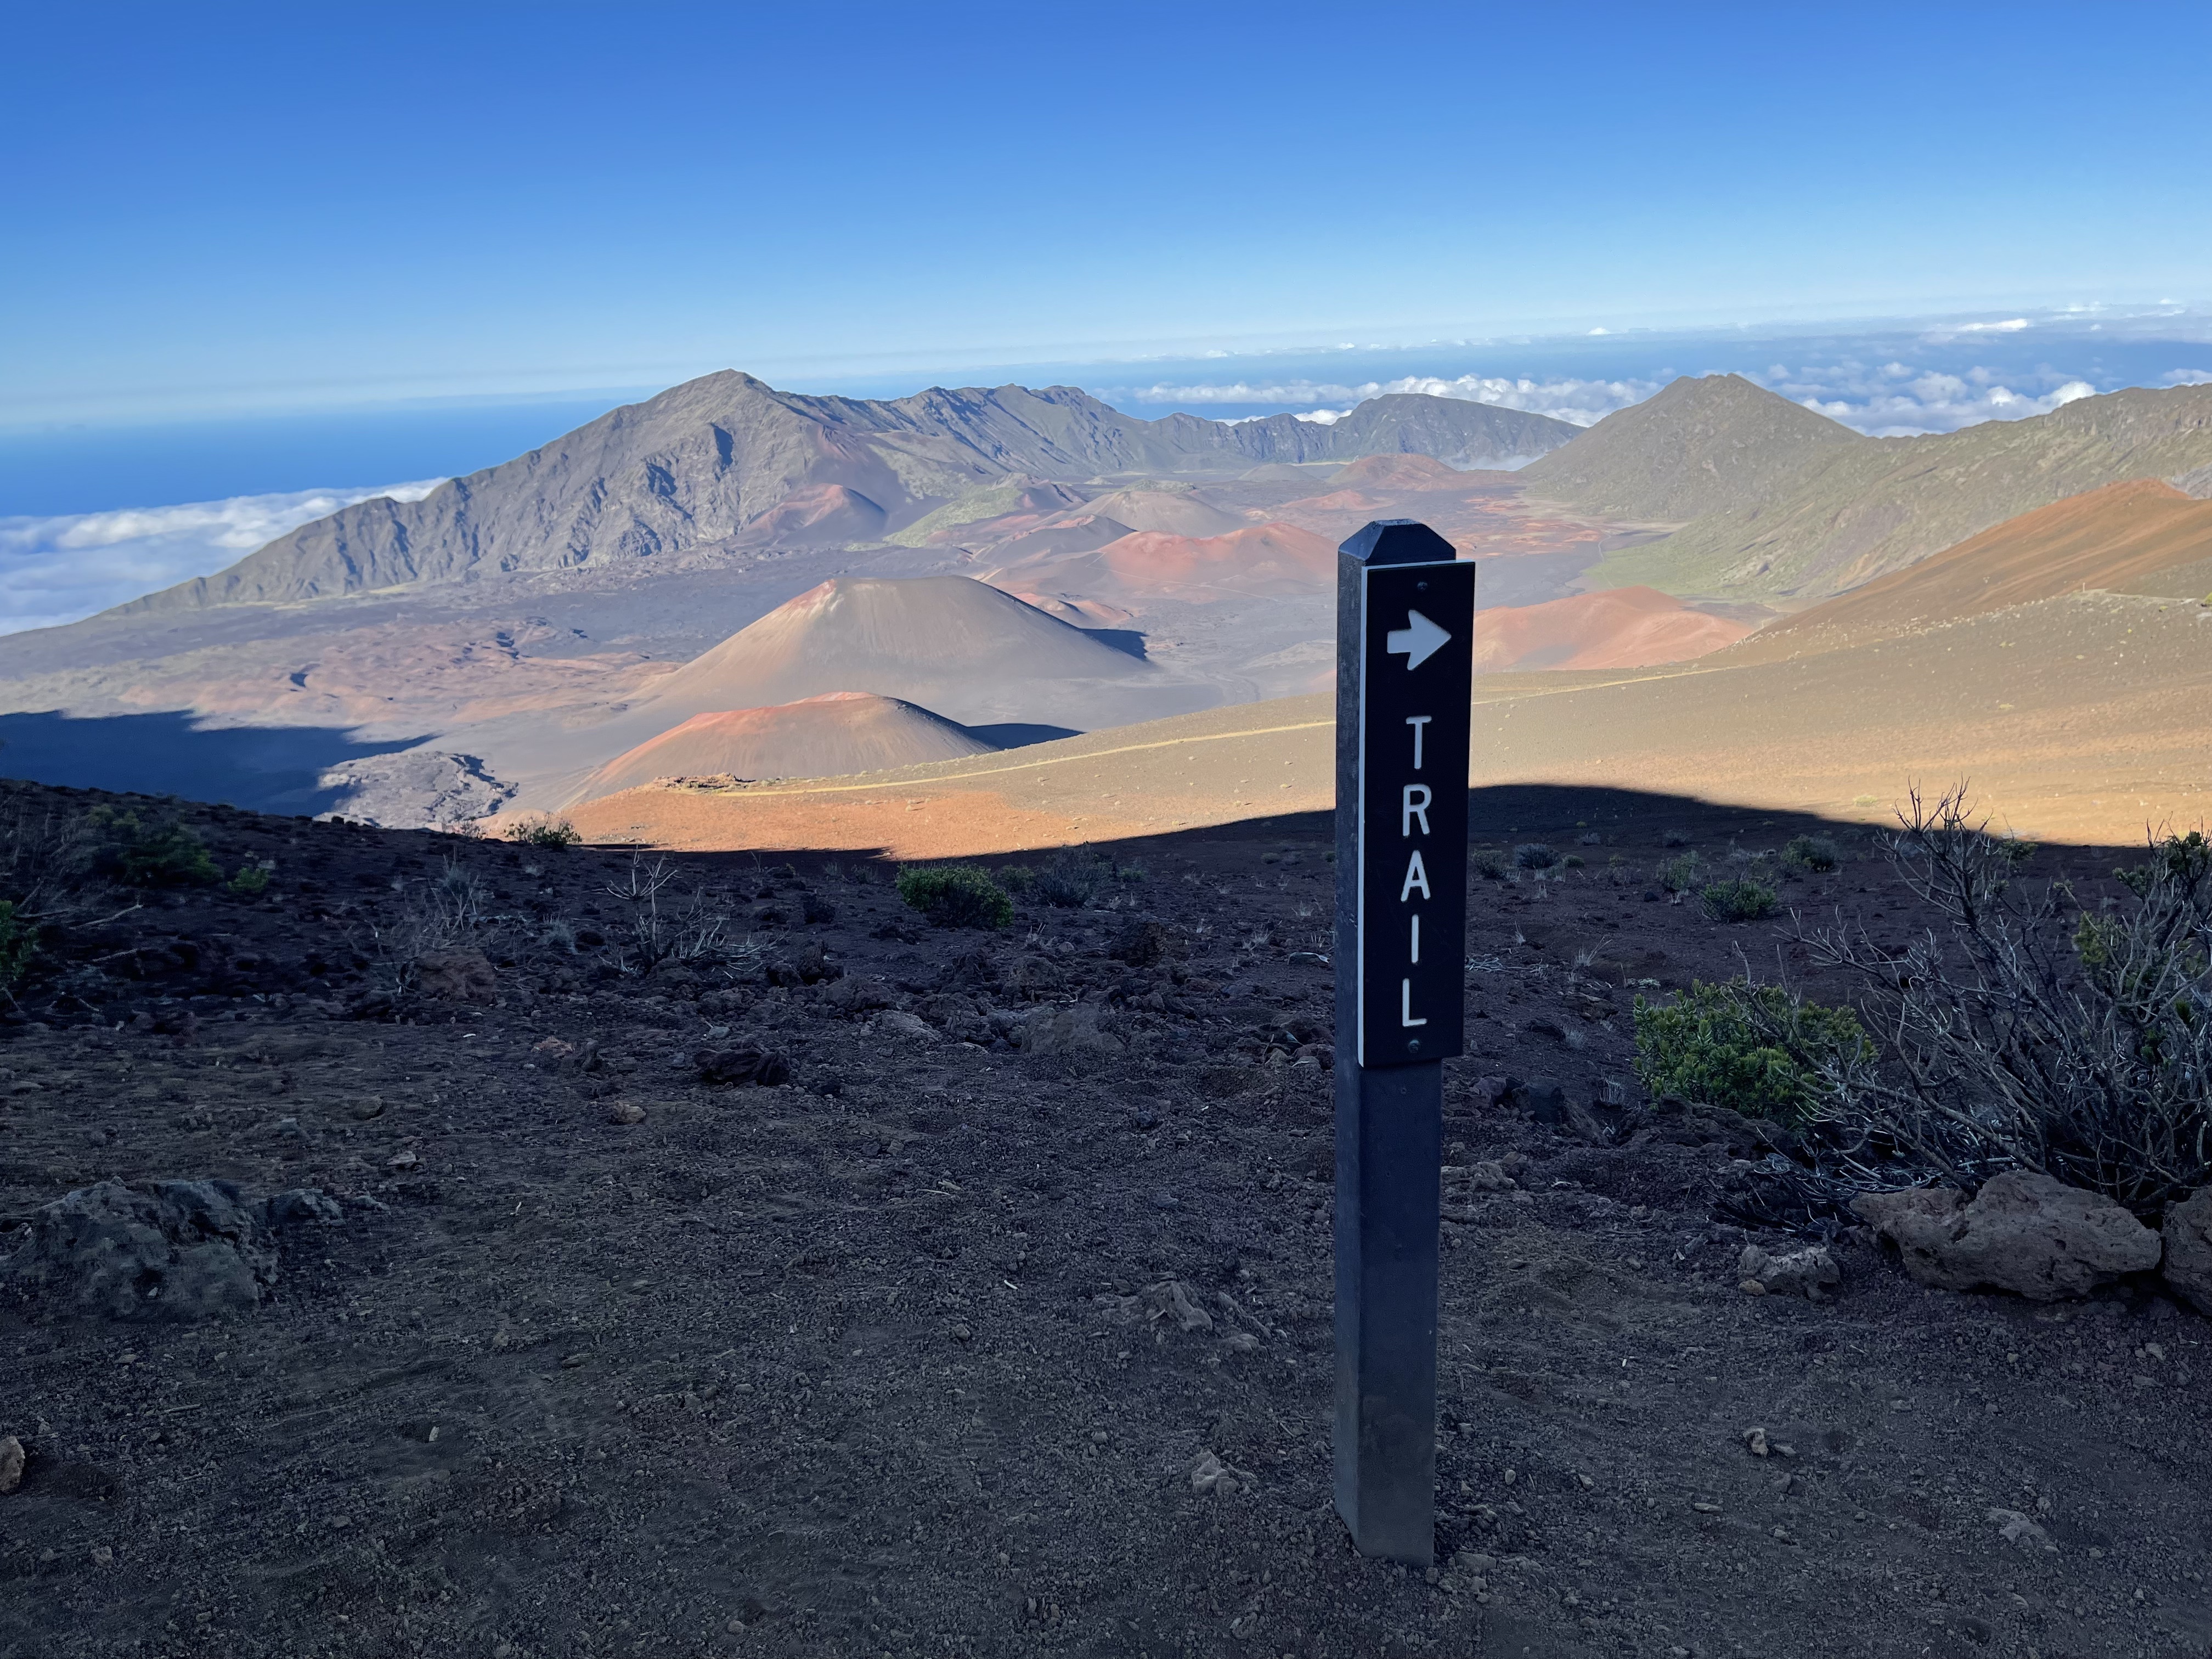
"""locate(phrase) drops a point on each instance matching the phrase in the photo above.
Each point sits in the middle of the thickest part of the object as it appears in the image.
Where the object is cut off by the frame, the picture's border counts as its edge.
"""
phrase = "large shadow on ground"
(266, 768)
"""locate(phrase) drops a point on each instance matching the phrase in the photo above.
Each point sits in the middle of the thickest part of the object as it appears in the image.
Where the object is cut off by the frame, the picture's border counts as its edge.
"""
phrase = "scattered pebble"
(625, 1111)
(11, 1464)
(1209, 1474)
(2017, 1528)
(1755, 1442)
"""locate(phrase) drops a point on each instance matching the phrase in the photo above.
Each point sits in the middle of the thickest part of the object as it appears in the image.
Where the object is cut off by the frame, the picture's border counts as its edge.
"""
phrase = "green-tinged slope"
(1870, 506)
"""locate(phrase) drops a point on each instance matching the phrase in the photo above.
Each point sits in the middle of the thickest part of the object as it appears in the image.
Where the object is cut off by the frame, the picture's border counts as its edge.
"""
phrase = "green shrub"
(2184, 861)
(1534, 855)
(1817, 853)
(542, 829)
(251, 878)
(18, 939)
(1017, 879)
(141, 854)
(1488, 864)
(1074, 877)
(1681, 875)
(1572, 861)
(1753, 1049)
(955, 896)
(1738, 900)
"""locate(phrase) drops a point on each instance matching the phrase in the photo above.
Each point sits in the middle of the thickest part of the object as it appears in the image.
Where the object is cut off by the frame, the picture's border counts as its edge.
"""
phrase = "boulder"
(1807, 1273)
(1070, 1030)
(855, 996)
(894, 1021)
(745, 1065)
(159, 1249)
(2023, 1232)
(2188, 1269)
(456, 976)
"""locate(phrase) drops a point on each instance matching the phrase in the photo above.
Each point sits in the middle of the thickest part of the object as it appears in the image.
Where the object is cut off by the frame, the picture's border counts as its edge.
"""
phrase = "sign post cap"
(1398, 541)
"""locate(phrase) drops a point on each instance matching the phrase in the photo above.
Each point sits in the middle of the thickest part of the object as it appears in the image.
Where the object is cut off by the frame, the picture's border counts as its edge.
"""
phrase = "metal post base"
(1389, 1126)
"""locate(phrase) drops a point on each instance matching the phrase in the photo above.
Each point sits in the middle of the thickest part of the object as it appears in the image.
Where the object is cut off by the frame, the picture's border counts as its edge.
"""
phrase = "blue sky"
(225, 209)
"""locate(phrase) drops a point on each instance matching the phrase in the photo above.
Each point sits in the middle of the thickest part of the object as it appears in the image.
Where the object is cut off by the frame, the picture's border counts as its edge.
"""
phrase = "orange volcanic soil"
(2110, 538)
(840, 732)
(1264, 559)
(1619, 628)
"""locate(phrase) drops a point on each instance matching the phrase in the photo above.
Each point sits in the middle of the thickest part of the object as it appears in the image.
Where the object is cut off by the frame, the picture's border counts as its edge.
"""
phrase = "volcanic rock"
(2023, 1232)
(1805, 1273)
(742, 1065)
(2188, 1267)
(456, 976)
(1069, 1031)
(159, 1249)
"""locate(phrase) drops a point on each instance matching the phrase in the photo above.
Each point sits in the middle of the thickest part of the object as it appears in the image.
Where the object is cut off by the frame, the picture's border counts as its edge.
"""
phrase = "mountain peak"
(1704, 444)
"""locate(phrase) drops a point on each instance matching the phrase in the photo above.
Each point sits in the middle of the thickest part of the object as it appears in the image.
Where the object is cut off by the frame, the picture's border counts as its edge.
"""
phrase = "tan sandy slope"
(2081, 717)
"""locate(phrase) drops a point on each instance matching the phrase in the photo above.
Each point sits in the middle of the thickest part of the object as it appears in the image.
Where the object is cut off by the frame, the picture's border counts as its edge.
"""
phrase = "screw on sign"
(1405, 662)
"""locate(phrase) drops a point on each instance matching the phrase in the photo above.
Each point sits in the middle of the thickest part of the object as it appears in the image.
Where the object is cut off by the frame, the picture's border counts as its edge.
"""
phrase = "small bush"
(1738, 900)
(251, 878)
(1018, 879)
(2041, 1029)
(1074, 877)
(18, 939)
(1753, 1049)
(142, 855)
(542, 829)
(1817, 853)
(1488, 864)
(1681, 875)
(1572, 861)
(955, 896)
(1534, 855)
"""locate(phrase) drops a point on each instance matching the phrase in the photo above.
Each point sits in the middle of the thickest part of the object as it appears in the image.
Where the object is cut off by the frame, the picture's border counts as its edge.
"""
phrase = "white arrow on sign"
(1419, 639)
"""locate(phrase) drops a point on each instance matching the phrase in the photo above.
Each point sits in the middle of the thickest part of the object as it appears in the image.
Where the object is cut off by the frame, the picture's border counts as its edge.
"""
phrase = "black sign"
(1405, 629)
(1410, 667)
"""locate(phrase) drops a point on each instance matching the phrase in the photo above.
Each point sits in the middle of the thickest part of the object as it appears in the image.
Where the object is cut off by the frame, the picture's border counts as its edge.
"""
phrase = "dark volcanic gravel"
(926, 1350)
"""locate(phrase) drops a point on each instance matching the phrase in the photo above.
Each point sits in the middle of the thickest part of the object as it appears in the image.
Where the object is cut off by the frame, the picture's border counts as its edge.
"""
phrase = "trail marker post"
(1405, 620)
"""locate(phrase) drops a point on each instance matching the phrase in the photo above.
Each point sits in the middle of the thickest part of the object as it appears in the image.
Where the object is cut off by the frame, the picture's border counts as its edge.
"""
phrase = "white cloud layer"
(55, 570)
(1884, 400)
(1892, 400)
(1581, 402)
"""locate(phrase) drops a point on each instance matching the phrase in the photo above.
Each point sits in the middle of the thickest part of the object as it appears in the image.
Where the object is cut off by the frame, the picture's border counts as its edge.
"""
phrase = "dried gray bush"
(668, 927)
(2036, 1031)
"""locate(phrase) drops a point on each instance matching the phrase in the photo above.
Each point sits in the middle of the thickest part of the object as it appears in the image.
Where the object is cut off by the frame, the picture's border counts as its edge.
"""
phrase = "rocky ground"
(876, 1288)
